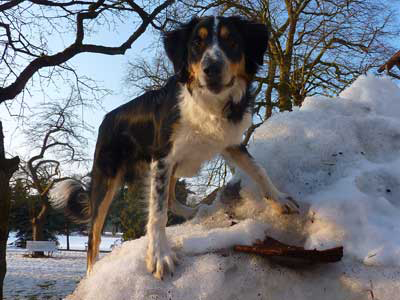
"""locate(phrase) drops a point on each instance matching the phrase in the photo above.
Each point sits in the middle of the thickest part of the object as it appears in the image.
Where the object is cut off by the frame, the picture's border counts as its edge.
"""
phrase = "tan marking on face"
(195, 70)
(203, 33)
(224, 32)
(239, 69)
(194, 74)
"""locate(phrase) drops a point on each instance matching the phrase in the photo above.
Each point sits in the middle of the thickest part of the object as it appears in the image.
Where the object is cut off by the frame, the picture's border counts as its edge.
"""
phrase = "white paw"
(289, 205)
(160, 259)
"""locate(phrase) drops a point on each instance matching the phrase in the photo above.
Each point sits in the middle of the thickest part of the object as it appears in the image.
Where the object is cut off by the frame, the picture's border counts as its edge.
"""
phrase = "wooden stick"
(273, 248)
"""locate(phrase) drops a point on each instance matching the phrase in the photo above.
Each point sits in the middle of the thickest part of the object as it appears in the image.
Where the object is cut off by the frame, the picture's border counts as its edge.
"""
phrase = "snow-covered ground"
(341, 158)
(47, 278)
(42, 278)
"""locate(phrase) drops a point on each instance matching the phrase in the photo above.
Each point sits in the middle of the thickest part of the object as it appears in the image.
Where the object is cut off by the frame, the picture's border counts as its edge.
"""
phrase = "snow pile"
(340, 158)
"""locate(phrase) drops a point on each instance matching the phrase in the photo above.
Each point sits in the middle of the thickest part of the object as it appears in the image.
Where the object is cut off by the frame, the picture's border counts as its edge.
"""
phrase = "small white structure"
(41, 246)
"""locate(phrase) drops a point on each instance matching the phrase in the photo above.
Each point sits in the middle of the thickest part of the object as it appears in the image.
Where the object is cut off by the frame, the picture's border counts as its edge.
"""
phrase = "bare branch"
(10, 4)
(95, 9)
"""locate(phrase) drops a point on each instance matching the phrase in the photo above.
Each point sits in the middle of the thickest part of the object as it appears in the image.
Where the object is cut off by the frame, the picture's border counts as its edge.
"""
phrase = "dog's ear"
(176, 47)
(255, 39)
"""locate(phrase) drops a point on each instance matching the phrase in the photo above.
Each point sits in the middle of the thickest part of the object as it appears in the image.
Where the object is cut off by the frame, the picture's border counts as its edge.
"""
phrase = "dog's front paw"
(289, 205)
(160, 260)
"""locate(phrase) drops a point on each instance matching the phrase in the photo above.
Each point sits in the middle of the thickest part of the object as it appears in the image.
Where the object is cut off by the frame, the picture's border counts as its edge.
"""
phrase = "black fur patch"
(176, 47)
(234, 112)
(255, 38)
(138, 131)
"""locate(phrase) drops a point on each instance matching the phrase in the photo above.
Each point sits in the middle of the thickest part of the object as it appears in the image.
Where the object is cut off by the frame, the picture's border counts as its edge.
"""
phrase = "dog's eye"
(231, 43)
(197, 42)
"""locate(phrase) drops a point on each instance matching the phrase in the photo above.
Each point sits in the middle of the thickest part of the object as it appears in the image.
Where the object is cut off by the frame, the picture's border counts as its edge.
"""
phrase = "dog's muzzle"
(212, 69)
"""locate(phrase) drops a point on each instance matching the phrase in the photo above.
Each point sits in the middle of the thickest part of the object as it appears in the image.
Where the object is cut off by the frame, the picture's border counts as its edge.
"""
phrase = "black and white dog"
(201, 111)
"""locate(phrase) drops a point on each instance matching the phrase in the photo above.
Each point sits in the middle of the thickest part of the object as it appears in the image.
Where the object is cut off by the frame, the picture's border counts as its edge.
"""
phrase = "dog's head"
(215, 52)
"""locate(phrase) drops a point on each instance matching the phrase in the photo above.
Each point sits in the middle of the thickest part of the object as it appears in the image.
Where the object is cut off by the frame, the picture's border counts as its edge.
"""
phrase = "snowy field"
(340, 157)
(47, 278)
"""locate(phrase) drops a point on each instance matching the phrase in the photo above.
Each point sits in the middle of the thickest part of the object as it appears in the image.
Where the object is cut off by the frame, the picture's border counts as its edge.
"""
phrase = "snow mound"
(340, 158)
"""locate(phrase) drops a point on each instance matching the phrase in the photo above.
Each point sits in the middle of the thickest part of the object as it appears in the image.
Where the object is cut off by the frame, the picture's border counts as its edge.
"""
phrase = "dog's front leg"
(239, 155)
(159, 254)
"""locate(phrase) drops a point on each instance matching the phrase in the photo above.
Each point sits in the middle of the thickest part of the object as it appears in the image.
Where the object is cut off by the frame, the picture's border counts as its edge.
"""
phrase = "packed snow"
(340, 158)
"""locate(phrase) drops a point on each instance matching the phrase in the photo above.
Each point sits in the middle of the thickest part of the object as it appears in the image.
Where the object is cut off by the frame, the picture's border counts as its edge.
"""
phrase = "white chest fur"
(203, 132)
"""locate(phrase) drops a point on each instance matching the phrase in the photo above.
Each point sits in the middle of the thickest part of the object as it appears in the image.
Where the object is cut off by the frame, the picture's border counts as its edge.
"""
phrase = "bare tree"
(56, 138)
(28, 25)
(143, 76)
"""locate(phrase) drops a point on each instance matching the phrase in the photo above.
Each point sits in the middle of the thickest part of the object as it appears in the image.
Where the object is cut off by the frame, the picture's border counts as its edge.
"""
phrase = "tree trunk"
(298, 98)
(7, 168)
(270, 87)
(285, 102)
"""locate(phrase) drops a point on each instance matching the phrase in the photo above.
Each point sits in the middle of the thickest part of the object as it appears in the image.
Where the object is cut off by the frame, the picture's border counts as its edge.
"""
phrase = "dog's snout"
(212, 68)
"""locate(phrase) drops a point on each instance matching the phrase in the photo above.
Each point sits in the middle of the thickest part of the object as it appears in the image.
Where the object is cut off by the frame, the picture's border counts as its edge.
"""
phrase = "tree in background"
(20, 212)
(148, 74)
(56, 138)
(29, 55)
(28, 26)
(23, 210)
(132, 212)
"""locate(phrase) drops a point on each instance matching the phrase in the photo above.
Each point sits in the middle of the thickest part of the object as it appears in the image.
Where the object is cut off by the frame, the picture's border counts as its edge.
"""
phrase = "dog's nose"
(212, 68)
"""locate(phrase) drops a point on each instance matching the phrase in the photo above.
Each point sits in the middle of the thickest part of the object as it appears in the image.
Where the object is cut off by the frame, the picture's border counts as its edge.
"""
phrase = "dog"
(203, 110)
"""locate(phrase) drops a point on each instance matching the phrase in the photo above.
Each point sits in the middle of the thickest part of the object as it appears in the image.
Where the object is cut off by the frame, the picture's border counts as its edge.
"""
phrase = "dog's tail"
(70, 196)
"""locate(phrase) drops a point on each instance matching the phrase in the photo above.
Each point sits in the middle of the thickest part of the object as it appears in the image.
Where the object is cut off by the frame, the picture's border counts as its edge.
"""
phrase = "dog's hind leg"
(177, 207)
(103, 191)
(159, 254)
